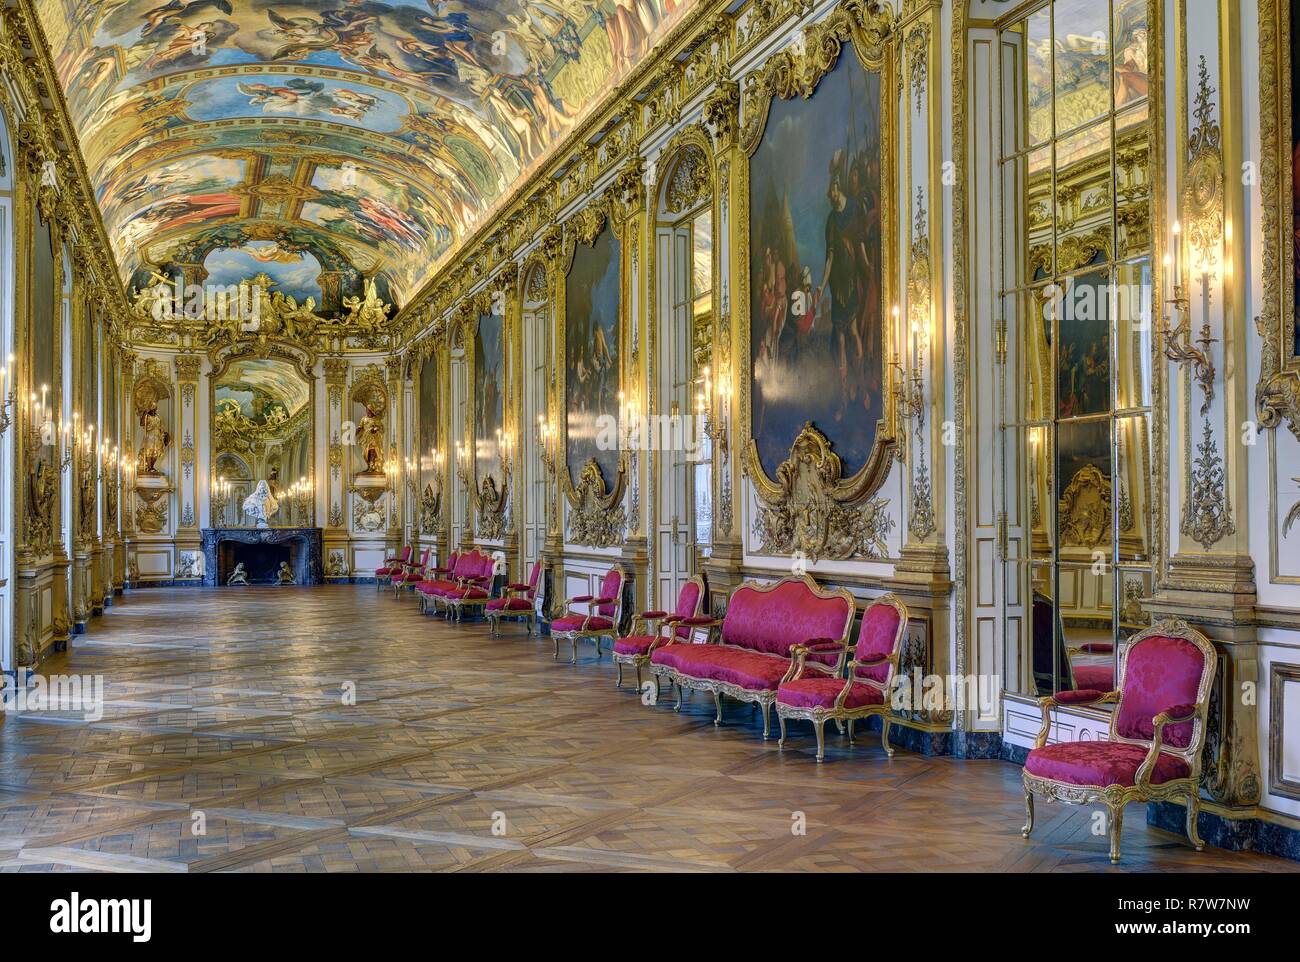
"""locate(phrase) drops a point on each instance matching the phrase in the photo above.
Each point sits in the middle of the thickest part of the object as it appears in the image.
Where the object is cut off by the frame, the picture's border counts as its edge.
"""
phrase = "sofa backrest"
(775, 617)
(881, 633)
(467, 565)
(1163, 673)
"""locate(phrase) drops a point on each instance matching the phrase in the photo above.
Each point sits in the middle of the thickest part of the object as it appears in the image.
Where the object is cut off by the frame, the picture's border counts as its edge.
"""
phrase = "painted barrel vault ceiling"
(320, 142)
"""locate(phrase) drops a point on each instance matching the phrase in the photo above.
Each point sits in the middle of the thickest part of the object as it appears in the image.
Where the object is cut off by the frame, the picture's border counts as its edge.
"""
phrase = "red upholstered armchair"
(1157, 731)
(657, 627)
(517, 600)
(392, 566)
(604, 611)
(410, 575)
(863, 692)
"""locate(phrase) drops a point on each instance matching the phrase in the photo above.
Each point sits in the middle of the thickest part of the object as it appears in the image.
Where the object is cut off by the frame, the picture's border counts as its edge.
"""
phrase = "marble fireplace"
(261, 550)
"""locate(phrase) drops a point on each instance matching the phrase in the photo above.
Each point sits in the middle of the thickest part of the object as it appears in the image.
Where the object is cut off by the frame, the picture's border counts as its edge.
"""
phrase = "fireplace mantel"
(308, 564)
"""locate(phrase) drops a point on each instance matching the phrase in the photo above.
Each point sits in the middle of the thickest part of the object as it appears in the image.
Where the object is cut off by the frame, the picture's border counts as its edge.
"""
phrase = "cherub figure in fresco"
(1131, 68)
(189, 45)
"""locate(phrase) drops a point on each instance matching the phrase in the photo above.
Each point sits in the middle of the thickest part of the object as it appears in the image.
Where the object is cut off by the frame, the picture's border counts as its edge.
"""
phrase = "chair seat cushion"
(576, 623)
(634, 644)
(821, 693)
(468, 593)
(1099, 677)
(387, 570)
(433, 587)
(509, 604)
(735, 666)
(1100, 764)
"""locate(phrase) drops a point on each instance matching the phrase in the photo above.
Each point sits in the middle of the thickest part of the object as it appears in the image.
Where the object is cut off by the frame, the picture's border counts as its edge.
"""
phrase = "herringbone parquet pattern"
(334, 729)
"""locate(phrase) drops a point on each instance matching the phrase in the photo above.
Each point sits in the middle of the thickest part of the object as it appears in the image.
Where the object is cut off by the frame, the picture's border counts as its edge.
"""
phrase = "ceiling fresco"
(364, 137)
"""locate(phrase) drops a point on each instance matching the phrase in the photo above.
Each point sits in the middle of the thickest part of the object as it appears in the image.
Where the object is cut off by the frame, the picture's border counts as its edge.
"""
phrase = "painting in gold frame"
(592, 356)
(854, 43)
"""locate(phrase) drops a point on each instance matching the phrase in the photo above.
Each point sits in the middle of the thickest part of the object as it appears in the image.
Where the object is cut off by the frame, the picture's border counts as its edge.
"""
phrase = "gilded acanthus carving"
(1203, 180)
(431, 509)
(1086, 508)
(806, 510)
(491, 505)
(1207, 517)
(595, 516)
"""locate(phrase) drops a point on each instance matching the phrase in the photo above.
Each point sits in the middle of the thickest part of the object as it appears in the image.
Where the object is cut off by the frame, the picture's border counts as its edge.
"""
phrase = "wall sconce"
(506, 451)
(1178, 339)
(6, 399)
(464, 465)
(220, 498)
(545, 436)
(302, 498)
(712, 403)
(909, 391)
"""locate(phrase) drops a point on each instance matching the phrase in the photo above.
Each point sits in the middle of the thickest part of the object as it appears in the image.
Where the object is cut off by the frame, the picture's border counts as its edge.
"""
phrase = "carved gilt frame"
(868, 28)
(1277, 395)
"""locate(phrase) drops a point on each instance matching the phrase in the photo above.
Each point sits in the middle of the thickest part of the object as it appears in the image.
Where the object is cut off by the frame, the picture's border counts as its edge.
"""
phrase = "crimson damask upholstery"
(1101, 763)
(820, 691)
(1162, 674)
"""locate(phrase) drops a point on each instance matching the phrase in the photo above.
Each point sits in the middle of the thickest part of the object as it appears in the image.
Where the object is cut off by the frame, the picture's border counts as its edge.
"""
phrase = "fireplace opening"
(260, 561)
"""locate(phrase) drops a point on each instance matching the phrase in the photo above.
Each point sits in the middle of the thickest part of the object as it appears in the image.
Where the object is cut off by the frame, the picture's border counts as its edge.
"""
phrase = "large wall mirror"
(262, 431)
(1077, 412)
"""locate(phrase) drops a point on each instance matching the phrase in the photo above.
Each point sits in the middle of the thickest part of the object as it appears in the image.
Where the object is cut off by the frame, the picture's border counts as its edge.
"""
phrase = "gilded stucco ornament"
(806, 510)
(1277, 395)
(1085, 513)
(595, 515)
(1207, 517)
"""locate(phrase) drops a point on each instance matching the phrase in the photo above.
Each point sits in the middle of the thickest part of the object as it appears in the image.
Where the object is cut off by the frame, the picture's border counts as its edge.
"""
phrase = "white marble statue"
(261, 505)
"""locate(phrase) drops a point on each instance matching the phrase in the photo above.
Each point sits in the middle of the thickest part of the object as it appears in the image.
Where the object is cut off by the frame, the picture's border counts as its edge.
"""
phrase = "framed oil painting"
(1293, 59)
(489, 403)
(817, 298)
(591, 357)
(427, 418)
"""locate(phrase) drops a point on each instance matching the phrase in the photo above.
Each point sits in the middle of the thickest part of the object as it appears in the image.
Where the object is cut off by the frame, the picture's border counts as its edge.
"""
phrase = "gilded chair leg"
(821, 738)
(573, 650)
(618, 680)
(884, 735)
(1194, 809)
(1029, 814)
(678, 706)
(555, 647)
(850, 731)
(637, 666)
(717, 704)
(1116, 827)
(767, 722)
(780, 720)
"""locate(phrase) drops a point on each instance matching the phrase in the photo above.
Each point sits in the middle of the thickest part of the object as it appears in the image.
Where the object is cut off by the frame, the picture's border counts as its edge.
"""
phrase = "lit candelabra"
(545, 436)
(220, 498)
(506, 450)
(712, 402)
(464, 465)
(8, 399)
(302, 499)
(1178, 338)
(909, 389)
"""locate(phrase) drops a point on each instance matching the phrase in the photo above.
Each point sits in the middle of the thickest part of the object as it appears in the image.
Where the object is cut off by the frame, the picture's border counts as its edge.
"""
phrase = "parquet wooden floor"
(335, 729)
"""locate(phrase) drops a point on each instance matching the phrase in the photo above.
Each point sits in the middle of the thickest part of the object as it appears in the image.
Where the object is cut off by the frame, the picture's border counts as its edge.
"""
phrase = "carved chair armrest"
(1082, 696)
(799, 656)
(1186, 713)
(580, 599)
(707, 623)
(517, 586)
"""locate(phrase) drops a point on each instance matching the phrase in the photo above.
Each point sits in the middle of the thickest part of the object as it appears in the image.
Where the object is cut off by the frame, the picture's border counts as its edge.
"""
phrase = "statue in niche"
(154, 439)
(285, 576)
(370, 436)
(238, 577)
(261, 505)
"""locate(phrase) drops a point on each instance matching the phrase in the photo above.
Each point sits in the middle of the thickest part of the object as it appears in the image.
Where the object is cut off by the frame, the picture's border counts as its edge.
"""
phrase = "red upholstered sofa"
(752, 654)
(470, 578)
(1157, 732)
(659, 628)
(518, 600)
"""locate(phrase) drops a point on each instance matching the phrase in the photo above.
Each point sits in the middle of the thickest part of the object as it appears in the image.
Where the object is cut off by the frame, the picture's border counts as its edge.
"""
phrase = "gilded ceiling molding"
(1277, 395)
